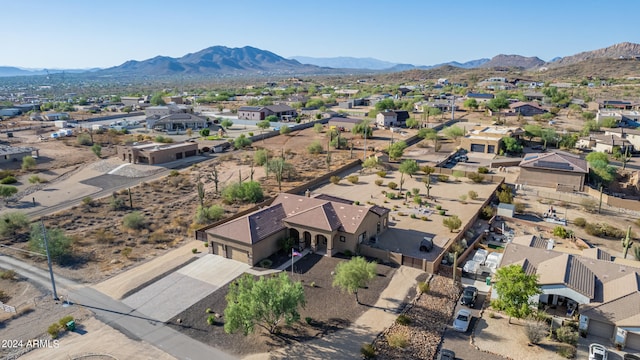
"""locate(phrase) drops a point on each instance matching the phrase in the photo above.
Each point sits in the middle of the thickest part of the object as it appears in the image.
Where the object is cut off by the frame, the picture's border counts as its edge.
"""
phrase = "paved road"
(116, 314)
(460, 342)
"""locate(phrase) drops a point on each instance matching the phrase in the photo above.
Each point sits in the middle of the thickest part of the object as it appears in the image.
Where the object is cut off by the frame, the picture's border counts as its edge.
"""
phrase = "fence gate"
(412, 262)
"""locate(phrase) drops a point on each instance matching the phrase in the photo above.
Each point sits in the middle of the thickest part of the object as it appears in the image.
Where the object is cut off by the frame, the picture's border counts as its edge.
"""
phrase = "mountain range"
(221, 61)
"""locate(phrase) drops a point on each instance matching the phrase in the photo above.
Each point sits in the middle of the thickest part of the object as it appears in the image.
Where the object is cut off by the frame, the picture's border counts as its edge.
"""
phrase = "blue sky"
(84, 34)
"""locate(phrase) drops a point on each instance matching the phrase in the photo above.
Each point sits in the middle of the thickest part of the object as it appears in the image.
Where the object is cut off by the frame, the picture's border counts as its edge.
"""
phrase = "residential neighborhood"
(236, 204)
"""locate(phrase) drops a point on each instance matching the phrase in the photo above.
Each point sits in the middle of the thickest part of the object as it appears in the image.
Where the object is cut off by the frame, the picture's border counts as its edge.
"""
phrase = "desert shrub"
(567, 335)
(4, 297)
(403, 320)
(560, 232)
(463, 198)
(347, 253)
(8, 275)
(424, 218)
(266, 263)
(334, 179)
(35, 179)
(84, 139)
(356, 202)
(88, 201)
(381, 173)
(9, 180)
(63, 322)
(402, 214)
(483, 170)
(163, 139)
(174, 173)
(5, 173)
(417, 200)
(581, 222)
(604, 231)
(486, 213)
(368, 351)
(13, 222)
(505, 195)
(568, 352)
(126, 252)
(208, 214)
(423, 287)
(116, 203)
(28, 163)
(134, 221)
(390, 195)
(589, 205)
(414, 216)
(261, 157)
(194, 250)
(208, 311)
(54, 330)
(211, 320)
(308, 320)
(519, 207)
(438, 207)
(443, 178)
(378, 182)
(397, 341)
(442, 212)
(392, 185)
(415, 191)
(315, 148)
(535, 331)
(205, 244)
(353, 179)
(472, 195)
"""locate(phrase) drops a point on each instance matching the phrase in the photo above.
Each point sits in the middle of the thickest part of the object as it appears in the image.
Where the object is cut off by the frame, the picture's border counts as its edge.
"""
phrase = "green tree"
(260, 157)
(511, 145)
(363, 129)
(498, 103)
(241, 142)
(157, 100)
(205, 132)
(284, 130)
(412, 123)
(549, 136)
(354, 274)
(408, 167)
(505, 195)
(96, 149)
(515, 288)
(7, 191)
(13, 223)
(452, 223)
(265, 302)
(248, 191)
(272, 118)
(608, 122)
(532, 130)
(226, 123)
(453, 132)
(263, 125)
(28, 163)
(206, 215)
(60, 246)
(385, 104)
(588, 115)
(397, 149)
(471, 104)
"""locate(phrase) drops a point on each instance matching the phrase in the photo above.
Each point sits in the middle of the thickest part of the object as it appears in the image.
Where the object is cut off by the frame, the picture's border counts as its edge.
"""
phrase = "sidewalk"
(345, 344)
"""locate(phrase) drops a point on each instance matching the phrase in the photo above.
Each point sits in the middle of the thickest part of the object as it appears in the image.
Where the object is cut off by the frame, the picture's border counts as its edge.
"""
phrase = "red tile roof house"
(604, 291)
(326, 224)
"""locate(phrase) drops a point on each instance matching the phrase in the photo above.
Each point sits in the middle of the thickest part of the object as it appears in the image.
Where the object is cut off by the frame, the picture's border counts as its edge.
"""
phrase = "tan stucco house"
(554, 170)
(151, 153)
(326, 224)
(487, 139)
(600, 290)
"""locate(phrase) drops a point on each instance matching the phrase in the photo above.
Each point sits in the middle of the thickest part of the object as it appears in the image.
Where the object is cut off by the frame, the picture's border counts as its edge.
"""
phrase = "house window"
(342, 238)
(378, 227)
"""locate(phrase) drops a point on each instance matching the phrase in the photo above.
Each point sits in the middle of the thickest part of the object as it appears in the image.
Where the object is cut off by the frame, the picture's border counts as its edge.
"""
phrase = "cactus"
(626, 242)
(201, 192)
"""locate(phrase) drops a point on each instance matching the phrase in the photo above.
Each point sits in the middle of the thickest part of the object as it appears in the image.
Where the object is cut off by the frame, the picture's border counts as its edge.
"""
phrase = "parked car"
(426, 244)
(631, 357)
(597, 352)
(469, 295)
(446, 355)
(462, 320)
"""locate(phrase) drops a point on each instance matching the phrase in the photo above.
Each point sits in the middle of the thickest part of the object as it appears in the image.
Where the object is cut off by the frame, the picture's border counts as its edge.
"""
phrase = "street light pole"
(46, 246)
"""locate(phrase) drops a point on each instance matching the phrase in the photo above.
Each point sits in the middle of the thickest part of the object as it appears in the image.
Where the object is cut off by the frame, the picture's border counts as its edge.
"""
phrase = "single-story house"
(56, 116)
(326, 224)
(480, 97)
(10, 112)
(15, 154)
(604, 291)
(556, 170)
(176, 121)
(604, 143)
(487, 139)
(344, 122)
(616, 104)
(283, 112)
(526, 108)
(152, 153)
(631, 135)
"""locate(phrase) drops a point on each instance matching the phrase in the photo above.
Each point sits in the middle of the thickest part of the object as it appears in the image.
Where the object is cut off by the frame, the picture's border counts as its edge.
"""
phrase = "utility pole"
(600, 204)
(364, 156)
(46, 246)
(453, 108)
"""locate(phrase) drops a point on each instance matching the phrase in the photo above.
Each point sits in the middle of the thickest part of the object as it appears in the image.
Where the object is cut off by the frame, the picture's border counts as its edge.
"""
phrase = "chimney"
(307, 193)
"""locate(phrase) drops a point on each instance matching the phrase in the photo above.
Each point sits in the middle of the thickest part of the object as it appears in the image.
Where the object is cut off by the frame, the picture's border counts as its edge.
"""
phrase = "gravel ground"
(330, 310)
(429, 313)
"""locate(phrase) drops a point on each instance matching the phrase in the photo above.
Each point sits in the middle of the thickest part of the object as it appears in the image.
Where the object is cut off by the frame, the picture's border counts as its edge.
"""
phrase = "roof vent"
(623, 269)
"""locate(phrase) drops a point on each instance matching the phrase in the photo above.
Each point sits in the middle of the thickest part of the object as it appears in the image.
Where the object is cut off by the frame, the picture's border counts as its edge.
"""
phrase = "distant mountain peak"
(513, 61)
(617, 51)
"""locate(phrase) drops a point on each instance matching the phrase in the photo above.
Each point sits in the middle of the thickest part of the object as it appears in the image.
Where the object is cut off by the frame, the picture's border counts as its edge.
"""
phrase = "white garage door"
(633, 341)
(601, 329)
(237, 254)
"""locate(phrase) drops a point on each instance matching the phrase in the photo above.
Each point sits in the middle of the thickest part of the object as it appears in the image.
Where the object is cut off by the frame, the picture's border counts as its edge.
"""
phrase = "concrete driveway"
(177, 291)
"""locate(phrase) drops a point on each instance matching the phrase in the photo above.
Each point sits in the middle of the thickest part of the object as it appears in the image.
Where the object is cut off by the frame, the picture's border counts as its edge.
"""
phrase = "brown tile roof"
(518, 104)
(555, 161)
(597, 253)
(624, 311)
(622, 286)
(254, 227)
(321, 217)
(530, 240)
(566, 269)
